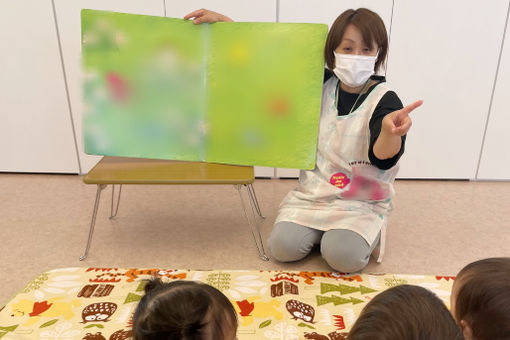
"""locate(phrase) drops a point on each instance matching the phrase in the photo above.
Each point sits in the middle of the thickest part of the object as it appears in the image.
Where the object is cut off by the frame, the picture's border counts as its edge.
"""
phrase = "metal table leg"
(112, 215)
(100, 187)
(251, 192)
(253, 226)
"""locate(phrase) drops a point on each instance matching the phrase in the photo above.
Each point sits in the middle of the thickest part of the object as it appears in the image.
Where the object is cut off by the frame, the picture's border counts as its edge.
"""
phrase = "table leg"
(253, 226)
(100, 187)
(112, 215)
(253, 196)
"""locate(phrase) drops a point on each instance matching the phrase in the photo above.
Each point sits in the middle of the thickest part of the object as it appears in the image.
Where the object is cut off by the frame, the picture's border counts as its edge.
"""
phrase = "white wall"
(36, 134)
(445, 52)
(326, 11)
(495, 160)
(238, 10)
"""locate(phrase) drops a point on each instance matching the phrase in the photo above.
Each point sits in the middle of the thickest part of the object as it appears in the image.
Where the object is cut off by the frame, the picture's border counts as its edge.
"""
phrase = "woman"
(343, 204)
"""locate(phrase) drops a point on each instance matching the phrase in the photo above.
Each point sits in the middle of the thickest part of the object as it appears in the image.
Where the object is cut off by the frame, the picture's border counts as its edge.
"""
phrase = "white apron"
(344, 191)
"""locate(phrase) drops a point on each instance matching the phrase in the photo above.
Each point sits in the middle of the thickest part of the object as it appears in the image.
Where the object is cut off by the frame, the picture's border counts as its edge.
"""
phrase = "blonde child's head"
(480, 299)
(184, 310)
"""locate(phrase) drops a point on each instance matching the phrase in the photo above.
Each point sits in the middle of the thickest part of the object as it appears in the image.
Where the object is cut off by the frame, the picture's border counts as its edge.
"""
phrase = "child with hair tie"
(183, 310)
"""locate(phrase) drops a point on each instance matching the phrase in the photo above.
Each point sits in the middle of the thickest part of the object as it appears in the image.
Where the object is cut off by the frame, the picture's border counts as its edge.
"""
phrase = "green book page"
(234, 93)
(143, 86)
(264, 93)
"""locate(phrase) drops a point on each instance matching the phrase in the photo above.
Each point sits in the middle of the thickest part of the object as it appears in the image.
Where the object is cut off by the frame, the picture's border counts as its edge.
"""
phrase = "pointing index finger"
(409, 108)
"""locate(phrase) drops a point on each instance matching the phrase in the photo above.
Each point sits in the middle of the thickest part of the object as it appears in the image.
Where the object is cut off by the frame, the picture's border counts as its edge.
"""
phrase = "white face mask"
(354, 70)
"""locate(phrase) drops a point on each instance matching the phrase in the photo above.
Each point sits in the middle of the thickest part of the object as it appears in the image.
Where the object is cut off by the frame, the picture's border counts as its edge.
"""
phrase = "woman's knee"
(345, 250)
(291, 242)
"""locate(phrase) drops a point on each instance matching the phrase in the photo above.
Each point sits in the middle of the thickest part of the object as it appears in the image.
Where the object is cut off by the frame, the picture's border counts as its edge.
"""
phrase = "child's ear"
(466, 330)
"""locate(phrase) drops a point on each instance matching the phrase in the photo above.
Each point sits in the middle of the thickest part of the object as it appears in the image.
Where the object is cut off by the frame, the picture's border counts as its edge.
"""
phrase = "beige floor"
(436, 228)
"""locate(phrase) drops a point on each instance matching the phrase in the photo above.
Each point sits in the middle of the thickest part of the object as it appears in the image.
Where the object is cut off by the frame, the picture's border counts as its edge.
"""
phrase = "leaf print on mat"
(302, 324)
(247, 284)
(265, 324)
(49, 323)
(94, 325)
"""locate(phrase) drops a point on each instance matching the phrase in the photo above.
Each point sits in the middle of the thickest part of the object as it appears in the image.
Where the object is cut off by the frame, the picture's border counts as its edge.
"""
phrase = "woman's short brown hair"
(483, 298)
(371, 27)
(405, 312)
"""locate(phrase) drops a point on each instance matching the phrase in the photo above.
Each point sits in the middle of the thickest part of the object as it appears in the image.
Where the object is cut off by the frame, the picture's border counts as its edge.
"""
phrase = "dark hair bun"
(193, 329)
(153, 284)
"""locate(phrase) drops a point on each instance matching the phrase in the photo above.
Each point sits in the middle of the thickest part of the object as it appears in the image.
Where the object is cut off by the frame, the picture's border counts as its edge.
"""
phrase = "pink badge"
(339, 180)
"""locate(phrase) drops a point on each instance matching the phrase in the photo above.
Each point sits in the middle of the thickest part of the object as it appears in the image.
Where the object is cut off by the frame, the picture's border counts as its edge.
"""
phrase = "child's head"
(405, 312)
(480, 299)
(183, 310)
(359, 32)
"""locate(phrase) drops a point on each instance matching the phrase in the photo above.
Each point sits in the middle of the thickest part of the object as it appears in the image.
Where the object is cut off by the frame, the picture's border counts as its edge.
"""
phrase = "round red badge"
(339, 180)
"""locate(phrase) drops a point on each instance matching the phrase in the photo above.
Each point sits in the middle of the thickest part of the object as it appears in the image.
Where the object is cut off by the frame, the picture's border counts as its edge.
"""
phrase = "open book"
(236, 93)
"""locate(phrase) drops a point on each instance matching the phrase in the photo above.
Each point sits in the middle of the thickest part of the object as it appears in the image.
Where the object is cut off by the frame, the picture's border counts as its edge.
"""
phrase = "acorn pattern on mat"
(100, 311)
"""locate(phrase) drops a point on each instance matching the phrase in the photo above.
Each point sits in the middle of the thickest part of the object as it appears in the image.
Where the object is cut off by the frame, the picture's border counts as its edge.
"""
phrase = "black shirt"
(388, 103)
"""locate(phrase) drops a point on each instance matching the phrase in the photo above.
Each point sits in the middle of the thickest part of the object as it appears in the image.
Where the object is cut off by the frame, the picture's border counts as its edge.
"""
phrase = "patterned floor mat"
(98, 303)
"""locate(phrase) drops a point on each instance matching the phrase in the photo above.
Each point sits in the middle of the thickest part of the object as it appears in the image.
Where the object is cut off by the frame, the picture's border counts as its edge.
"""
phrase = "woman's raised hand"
(398, 122)
(204, 15)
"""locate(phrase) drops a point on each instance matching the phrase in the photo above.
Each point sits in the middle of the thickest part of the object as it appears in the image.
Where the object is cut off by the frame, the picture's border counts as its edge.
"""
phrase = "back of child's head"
(183, 310)
(405, 312)
(481, 299)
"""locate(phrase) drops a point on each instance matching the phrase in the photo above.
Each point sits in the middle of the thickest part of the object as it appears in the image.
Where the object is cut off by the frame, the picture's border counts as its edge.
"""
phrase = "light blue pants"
(344, 250)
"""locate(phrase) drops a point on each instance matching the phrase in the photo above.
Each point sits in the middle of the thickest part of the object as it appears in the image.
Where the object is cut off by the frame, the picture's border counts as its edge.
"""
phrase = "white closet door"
(239, 10)
(445, 52)
(326, 11)
(495, 161)
(35, 125)
(68, 17)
